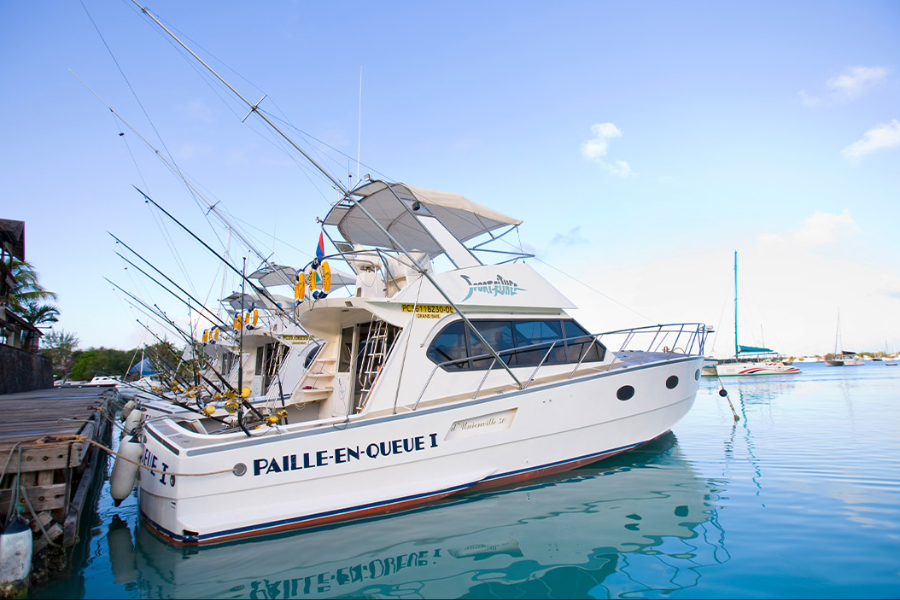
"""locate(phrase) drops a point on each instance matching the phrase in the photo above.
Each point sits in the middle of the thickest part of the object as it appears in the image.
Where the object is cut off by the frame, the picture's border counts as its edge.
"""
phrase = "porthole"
(626, 392)
(672, 382)
(697, 375)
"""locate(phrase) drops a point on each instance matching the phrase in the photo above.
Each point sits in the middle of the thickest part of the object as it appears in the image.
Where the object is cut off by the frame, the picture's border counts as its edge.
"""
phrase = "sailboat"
(842, 358)
(756, 360)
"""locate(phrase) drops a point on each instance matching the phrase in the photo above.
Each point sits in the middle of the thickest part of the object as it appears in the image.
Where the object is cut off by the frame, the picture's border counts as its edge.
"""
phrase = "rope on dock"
(81, 438)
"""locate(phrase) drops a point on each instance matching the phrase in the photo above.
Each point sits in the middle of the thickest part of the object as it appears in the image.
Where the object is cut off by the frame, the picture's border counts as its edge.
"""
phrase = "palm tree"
(39, 314)
(28, 299)
(26, 289)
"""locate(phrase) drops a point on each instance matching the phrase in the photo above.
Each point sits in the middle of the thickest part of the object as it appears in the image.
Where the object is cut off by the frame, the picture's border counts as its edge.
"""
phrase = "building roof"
(12, 236)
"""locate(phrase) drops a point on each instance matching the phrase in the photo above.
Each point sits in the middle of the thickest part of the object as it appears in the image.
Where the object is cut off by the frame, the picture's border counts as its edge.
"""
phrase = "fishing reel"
(275, 419)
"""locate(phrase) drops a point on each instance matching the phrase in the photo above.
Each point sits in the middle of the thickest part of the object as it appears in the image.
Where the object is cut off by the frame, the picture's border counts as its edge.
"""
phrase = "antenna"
(359, 128)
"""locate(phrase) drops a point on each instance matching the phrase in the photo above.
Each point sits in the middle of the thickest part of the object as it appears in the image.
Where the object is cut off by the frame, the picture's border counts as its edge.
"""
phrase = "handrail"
(540, 364)
(697, 333)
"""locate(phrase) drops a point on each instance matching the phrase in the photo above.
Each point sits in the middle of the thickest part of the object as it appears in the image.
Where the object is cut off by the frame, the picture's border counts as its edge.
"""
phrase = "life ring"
(237, 322)
(326, 277)
(300, 287)
(255, 316)
(311, 281)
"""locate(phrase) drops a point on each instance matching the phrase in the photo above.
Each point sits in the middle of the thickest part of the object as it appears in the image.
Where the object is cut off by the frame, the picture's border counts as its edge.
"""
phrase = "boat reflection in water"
(642, 521)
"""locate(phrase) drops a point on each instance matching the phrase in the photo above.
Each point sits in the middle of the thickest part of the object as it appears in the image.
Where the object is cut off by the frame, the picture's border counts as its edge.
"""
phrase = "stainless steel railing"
(686, 339)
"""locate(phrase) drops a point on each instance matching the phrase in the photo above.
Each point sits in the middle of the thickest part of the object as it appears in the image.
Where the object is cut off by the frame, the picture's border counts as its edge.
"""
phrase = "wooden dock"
(42, 453)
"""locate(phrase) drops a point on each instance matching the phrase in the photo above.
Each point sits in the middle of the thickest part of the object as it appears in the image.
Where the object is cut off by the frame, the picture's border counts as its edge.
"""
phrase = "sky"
(642, 144)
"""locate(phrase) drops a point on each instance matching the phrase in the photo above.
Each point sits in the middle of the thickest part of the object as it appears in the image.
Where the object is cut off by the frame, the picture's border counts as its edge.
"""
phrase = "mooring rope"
(82, 438)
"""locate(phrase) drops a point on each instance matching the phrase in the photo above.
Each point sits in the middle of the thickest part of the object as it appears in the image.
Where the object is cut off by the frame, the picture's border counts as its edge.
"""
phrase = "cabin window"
(519, 344)
(545, 333)
(450, 344)
(499, 335)
(579, 344)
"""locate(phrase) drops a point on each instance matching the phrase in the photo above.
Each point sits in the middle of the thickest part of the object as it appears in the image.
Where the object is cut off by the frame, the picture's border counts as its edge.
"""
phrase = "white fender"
(15, 558)
(126, 410)
(124, 473)
(133, 421)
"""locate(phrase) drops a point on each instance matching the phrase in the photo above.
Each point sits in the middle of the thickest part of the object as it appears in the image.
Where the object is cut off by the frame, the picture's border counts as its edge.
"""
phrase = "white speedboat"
(426, 384)
(761, 367)
(653, 506)
(441, 374)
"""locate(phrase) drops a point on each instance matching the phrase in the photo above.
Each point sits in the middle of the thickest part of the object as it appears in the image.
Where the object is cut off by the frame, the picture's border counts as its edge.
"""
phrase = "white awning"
(462, 217)
(282, 275)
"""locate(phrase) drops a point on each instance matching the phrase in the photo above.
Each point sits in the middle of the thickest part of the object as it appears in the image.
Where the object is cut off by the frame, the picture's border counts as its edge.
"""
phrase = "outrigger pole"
(194, 190)
(156, 311)
(347, 195)
(253, 107)
(262, 291)
(179, 298)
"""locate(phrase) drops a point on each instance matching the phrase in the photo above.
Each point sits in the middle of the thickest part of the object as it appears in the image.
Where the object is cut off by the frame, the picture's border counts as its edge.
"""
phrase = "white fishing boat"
(454, 544)
(427, 384)
(751, 360)
(443, 373)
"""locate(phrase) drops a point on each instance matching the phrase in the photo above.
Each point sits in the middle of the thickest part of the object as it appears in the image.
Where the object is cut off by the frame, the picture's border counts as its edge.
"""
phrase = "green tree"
(27, 288)
(59, 346)
(99, 361)
(40, 314)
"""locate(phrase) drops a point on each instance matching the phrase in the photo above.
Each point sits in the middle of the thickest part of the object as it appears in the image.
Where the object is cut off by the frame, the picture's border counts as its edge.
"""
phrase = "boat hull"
(361, 468)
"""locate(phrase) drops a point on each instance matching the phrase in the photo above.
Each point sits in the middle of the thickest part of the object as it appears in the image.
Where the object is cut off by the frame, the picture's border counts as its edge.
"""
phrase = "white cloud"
(808, 100)
(856, 80)
(880, 137)
(818, 230)
(849, 85)
(595, 149)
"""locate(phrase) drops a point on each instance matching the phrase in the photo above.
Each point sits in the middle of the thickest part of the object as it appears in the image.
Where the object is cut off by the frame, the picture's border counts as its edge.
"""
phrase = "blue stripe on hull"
(261, 528)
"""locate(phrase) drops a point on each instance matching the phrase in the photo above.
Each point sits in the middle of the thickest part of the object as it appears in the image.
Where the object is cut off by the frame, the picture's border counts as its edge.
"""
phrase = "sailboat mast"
(736, 347)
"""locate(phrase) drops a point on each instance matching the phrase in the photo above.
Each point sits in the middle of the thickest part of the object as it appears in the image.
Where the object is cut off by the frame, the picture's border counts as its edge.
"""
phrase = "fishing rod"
(182, 290)
(176, 402)
(159, 313)
(239, 394)
(173, 294)
(194, 191)
(193, 345)
(346, 193)
(261, 291)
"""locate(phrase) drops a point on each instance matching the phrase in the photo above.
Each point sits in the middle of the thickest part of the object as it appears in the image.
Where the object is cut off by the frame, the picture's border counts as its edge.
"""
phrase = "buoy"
(126, 410)
(133, 421)
(121, 552)
(15, 558)
(124, 473)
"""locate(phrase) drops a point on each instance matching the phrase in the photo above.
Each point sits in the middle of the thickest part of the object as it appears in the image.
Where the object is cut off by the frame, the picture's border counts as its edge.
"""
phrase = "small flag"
(320, 249)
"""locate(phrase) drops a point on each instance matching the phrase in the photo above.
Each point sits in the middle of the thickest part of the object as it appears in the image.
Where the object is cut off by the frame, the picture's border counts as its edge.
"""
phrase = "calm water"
(800, 498)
